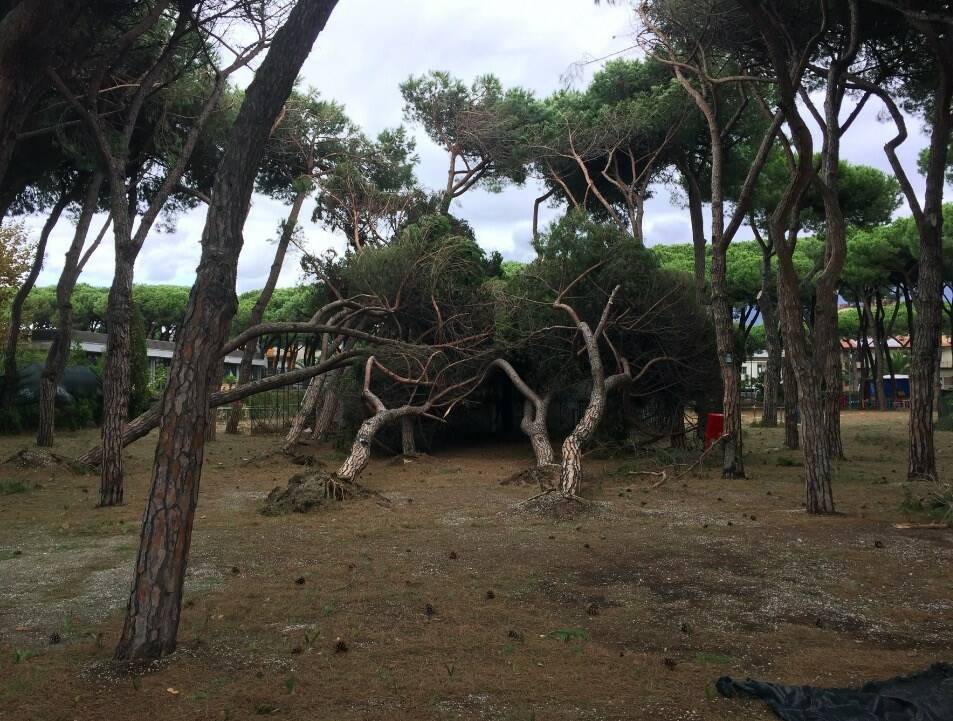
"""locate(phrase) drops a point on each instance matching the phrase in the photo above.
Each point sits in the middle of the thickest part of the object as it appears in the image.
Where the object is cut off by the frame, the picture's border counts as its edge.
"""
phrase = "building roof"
(96, 343)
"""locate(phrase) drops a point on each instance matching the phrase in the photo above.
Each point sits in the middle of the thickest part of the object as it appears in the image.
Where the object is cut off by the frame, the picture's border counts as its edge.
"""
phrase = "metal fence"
(268, 412)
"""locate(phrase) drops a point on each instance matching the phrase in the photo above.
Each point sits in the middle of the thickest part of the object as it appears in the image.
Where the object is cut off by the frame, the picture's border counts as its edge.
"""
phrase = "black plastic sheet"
(925, 696)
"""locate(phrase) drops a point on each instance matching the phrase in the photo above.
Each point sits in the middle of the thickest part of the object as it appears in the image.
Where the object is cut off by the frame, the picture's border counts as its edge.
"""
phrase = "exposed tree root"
(308, 491)
(559, 506)
(35, 458)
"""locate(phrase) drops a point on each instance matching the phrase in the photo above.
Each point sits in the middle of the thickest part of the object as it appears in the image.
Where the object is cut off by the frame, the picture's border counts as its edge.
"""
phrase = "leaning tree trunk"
(10, 375)
(534, 425)
(305, 412)
(325, 416)
(58, 354)
(535, 413)
(570, 469)
(360, 453)
(155, 602)
(258, 310)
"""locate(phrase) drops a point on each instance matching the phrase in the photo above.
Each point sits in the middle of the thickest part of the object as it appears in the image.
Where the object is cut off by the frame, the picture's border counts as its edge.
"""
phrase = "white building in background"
(753, 367)
(159, 352)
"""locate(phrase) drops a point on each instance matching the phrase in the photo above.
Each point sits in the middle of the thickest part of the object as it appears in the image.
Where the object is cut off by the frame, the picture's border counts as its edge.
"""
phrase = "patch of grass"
(8, 488)
(786, 462)
(20, 655)
(568, 634)
(713, 659)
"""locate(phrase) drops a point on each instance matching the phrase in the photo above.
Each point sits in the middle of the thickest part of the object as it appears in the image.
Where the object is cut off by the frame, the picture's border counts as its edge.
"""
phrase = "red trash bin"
(714, 427)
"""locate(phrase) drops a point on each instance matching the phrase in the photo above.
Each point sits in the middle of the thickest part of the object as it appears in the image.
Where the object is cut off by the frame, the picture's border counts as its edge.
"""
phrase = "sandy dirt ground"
(446, 604)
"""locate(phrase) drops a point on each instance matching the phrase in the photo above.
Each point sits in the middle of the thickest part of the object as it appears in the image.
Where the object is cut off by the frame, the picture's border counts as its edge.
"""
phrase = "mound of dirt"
(558, 507)
(36, 458)
(310, 490)
(544, 477)
(305, 492)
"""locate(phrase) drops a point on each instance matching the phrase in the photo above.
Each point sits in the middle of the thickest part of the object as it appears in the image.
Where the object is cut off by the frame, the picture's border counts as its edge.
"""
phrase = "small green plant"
(290, 683)
(715, 659)
(8, 488)
(568, 634)
(21, 655)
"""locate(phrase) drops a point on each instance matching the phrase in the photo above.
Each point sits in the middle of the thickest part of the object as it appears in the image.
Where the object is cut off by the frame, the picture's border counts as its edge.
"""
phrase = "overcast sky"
(369, 47)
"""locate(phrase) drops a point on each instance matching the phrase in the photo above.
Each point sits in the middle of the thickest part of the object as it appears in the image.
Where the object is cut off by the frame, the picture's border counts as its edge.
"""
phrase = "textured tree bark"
(696, 215)
(305, 412)
(117, 380)
(215, 384)
(832, 398)
(152, 617)
(533, 424)
(360, 453)
(767, 304)
(408, 444)
(792, 438)
(535, 412)
(10, 376)
(733, 458)
(59, 351)
(570, 469)
(258, 310)
(807, 355)
(328, 412)
(924, 356)
(878, 356)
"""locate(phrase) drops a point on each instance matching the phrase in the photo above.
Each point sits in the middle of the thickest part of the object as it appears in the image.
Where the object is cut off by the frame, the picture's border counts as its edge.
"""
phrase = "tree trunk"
(924, 359)
(328, 412)
(792, 431)
(834, 389)
(360, 453)
(570, 469)
(533, 425)
(929, 300)
(215, 385)
(152, 617)
(10, 375)
(117, 379)
(408, 445)
(696, 215)
(59, 350)
(258, 310)
(733, 462)
(535, 413)
(305, 412)
(767, 304)
(879, 357)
